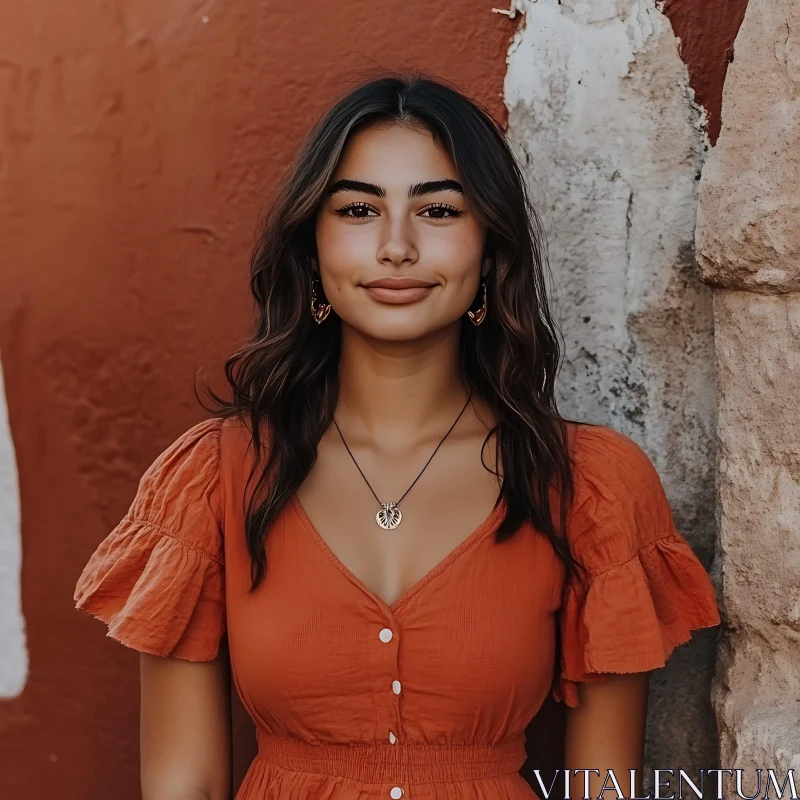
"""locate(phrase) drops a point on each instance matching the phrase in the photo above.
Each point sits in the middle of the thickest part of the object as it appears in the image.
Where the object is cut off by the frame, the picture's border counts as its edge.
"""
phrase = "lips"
(397, 291)
(398, 283)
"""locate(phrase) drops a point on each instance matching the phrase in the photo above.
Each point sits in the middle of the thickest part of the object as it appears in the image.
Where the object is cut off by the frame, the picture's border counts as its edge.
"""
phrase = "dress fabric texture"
(428, 697)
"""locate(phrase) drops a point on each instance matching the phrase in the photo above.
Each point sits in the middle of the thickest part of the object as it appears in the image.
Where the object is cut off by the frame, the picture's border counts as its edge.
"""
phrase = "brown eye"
(355, 211)
(441, 211)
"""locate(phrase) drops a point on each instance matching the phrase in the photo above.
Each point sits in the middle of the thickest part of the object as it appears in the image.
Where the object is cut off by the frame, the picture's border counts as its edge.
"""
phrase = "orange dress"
(428, 697)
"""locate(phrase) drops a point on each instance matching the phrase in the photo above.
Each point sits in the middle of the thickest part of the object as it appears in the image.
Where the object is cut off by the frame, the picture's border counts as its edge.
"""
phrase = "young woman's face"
(394, 212)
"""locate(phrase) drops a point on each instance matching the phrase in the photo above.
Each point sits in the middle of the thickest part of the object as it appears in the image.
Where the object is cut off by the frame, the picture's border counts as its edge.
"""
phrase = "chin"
(401, 330)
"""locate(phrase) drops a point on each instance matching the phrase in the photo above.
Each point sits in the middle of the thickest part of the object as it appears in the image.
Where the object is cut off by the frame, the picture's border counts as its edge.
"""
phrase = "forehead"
(394, 154)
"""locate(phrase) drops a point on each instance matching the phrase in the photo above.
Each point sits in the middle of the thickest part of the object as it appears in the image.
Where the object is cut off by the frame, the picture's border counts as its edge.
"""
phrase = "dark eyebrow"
(417, 190)
(346, 185)
(429, 187)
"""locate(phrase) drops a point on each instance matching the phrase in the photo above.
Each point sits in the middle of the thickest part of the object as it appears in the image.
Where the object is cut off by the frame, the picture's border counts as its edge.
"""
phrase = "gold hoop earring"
(479, 315)
(319, 311)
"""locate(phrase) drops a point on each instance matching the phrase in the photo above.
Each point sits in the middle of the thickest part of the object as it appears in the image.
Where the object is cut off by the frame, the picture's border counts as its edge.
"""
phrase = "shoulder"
(182, 481)
(199, 460)
(602, 454)
(619, 504)
(196, 447)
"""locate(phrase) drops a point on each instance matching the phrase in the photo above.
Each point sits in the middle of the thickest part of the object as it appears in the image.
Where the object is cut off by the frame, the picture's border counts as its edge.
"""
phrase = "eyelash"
(452, 211)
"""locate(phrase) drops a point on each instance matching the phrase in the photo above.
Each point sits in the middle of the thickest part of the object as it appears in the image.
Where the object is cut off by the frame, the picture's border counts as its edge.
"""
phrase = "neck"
(396, 394)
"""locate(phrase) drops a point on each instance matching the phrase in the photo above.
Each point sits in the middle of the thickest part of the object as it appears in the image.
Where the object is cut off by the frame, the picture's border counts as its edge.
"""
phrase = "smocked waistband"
(382, 763)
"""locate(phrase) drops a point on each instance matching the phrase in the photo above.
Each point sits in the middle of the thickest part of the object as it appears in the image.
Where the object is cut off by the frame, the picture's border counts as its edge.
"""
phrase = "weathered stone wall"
(602, 110)
(748, 244)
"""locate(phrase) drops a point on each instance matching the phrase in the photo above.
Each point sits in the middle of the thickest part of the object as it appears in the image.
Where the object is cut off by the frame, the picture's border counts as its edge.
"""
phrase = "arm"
(185, 735)
(606, 732)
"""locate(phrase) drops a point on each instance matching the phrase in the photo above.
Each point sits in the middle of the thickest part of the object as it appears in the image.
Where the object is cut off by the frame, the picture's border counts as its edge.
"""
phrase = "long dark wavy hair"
(284, 379)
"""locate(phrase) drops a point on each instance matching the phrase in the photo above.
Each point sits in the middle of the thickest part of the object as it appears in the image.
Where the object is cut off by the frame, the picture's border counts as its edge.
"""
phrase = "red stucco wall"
(137, 145)
(707, 30)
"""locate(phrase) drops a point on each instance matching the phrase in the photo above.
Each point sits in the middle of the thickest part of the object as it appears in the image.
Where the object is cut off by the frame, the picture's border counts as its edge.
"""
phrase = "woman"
(390, 527)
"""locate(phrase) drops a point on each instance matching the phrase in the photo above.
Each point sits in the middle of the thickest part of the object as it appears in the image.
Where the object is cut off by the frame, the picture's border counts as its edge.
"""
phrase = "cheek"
(343, 248)
(455, 252)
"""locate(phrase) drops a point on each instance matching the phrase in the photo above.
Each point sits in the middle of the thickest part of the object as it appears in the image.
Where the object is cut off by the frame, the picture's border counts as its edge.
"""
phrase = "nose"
(397, 246)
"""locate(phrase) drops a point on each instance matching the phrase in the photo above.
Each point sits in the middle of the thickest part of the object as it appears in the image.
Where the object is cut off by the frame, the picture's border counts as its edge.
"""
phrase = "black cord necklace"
(389, 516)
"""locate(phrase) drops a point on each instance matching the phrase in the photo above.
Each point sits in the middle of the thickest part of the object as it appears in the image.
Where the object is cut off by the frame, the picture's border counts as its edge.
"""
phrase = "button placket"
(385, 669)
(386, 636)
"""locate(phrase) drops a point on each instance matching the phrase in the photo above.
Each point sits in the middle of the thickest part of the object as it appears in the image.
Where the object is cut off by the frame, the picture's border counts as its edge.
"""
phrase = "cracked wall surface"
(603, 116)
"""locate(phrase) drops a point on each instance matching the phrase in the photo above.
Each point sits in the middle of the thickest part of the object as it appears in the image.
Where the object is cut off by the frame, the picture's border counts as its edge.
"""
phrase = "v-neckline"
(437, 569)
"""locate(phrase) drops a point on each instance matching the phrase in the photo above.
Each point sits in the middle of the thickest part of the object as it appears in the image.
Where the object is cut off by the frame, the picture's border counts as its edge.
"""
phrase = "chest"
(469, 648)
(437, 634)
(441, 506)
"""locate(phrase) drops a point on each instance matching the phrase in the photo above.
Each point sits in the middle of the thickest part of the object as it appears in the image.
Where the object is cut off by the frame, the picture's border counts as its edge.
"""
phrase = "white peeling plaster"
(13, 651)
(602, 114)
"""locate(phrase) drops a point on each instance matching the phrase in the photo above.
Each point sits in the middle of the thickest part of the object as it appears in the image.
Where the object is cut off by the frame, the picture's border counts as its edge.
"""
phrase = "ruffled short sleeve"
(157, 580)
(644, 590)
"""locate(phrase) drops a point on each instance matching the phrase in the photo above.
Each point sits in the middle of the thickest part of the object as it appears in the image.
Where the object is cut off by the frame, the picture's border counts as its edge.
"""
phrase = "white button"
(396, 690)
(392, 738)
(385, 635)
(396, 792)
